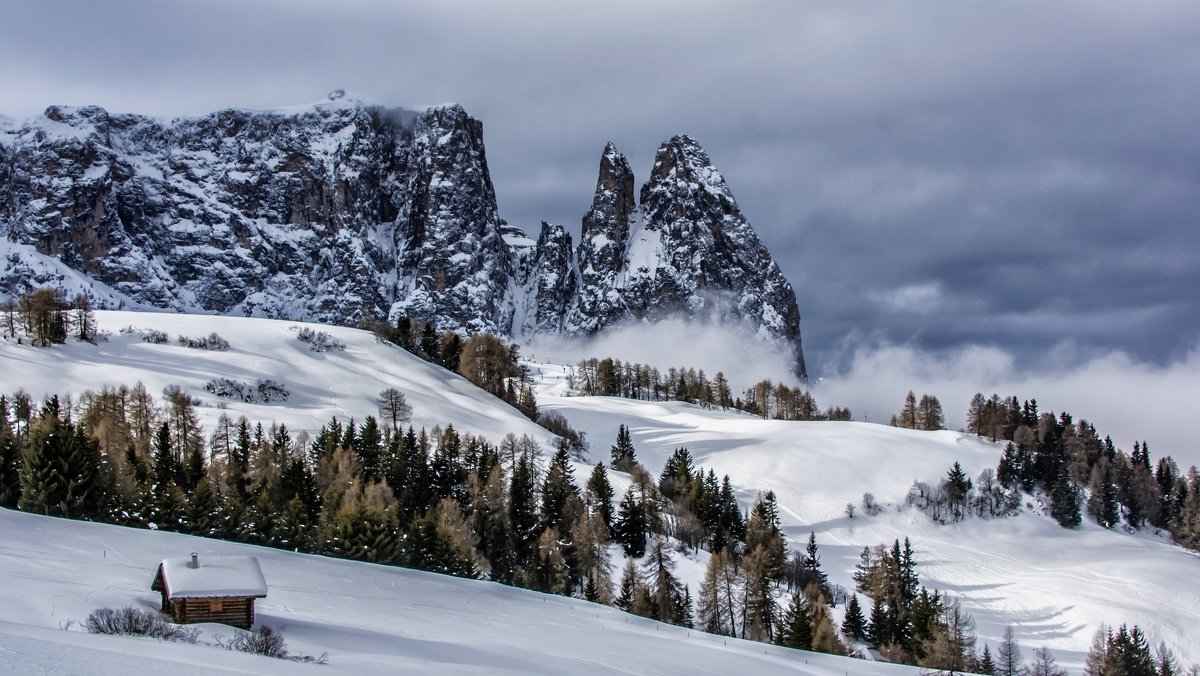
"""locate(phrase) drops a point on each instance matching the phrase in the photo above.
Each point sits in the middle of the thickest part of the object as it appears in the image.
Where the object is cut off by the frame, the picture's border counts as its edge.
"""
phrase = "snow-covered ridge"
(343, 383)
(339, 211)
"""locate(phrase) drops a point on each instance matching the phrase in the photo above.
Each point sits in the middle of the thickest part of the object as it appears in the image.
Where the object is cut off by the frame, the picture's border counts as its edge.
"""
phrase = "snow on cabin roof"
(215, 576)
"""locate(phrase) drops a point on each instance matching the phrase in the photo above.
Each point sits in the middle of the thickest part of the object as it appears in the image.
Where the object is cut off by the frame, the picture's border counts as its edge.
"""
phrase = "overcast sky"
(1020, 175)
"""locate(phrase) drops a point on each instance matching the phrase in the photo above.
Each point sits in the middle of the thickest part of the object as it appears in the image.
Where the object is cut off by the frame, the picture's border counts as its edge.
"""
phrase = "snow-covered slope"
(344, 383)
(370, 619)
(1053, 585)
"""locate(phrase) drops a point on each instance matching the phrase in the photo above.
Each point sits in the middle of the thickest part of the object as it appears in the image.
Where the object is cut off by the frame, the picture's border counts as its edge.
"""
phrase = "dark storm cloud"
(1019, 174)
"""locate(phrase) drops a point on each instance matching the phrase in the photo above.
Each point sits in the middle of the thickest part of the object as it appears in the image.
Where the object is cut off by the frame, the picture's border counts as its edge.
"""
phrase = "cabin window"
(216, 605)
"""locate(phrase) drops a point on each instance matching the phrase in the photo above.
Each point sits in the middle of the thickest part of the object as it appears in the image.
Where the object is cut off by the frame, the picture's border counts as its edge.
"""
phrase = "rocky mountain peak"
(339, 211)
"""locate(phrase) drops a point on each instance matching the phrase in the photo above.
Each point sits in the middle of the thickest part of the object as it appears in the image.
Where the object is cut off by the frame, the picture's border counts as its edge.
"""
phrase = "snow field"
(1053, 585)
(370, 619)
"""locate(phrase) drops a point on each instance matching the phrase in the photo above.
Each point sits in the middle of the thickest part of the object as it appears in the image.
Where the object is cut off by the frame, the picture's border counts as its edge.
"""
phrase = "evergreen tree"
(797, 623)
(878, 626)
(631, 527)
(202, 513)
(624, 456)
(986, 664)
(165, 465)
(429, 343)
(59, 473)
(600, 495)
(677, 474)
(958, 491)
(10, 461)
(1102, 502)
(370, 449)
(1010, 470)
(560, 495)
(1064, 500)
(854, 624)
(810, 567)
(522, 513)
(628, 587)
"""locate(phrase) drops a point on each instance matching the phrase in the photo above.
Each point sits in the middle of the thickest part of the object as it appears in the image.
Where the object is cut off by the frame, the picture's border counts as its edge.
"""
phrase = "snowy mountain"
(1054, 586)
(341, 211)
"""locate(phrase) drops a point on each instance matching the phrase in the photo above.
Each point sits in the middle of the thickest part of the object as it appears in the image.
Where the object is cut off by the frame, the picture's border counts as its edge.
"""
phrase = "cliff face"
(341, 211)
(685, 251)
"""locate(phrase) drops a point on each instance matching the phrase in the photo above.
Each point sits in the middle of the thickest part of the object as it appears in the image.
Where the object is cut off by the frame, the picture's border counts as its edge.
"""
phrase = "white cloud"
(1123, 397)
(737, 352)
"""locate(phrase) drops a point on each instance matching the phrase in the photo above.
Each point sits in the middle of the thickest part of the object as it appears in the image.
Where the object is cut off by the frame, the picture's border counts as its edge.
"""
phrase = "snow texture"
(213, 576)
(1054, 586)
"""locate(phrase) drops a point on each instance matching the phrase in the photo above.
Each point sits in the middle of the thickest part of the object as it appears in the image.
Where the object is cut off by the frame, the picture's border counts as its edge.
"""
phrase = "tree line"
(630, 380)
(435, 500)
(46, 317)
(1059, 457)
(487, 361)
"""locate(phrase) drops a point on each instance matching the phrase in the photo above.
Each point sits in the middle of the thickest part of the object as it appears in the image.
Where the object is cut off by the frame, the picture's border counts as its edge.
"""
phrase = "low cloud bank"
(1124, 398)
(738, 352)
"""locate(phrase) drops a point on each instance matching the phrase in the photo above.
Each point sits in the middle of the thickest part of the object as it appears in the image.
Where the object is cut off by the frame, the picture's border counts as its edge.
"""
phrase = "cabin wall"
(234, 611)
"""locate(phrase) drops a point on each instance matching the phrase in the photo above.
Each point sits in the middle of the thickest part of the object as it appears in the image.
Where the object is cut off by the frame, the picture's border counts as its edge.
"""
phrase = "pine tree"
(165, 465)
(810, 567)
(986, 665)
(878, 626)
(1102, 502)
(292, 529)
(630, 528)
(60, 471)
(958, 491)
(628, 587)
(522, 514)
(1064, 500)
(370, 449)
(600, 495)
(797, 623)
(624, 456)
(1011, 468)
(854, 624)
(202, 513)
(10, 461)
(560, 495)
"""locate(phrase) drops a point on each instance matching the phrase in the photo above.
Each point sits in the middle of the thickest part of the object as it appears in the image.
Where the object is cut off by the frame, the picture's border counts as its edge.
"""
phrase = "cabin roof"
(215, 576)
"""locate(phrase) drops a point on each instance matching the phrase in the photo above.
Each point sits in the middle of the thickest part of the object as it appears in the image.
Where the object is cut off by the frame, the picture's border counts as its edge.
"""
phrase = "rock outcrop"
(341, 211)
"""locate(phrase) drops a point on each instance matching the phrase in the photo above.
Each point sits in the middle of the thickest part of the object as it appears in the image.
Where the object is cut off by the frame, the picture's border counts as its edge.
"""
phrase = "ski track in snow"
(1054, 586)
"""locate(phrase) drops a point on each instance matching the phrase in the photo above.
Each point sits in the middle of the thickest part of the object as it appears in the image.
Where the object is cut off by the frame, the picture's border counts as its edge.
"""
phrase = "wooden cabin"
(213, 589)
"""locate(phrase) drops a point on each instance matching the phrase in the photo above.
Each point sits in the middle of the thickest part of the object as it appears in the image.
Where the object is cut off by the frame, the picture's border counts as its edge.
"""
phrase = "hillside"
(1053, 585)
(369, 619)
